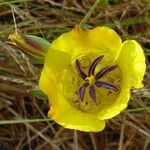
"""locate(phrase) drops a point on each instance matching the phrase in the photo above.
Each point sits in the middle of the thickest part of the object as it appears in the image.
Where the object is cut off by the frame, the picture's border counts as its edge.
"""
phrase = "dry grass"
(18, 76)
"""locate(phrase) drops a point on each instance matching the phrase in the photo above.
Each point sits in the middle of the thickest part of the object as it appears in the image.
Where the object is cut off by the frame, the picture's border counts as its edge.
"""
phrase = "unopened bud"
(36, 47)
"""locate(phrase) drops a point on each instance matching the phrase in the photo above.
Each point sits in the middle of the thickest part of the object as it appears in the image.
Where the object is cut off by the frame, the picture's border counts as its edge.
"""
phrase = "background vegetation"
(23, 113)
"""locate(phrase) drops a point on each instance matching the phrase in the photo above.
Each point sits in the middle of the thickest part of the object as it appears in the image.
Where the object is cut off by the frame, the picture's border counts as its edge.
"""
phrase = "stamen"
(92, 93)
(104, 71)
(80, 71)
(82, 91)
(94, 64)
(106, 85)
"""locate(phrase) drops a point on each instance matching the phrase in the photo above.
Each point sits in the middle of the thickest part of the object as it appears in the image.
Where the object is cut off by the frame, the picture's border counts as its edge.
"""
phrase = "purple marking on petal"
(106, 85)
(92, 93)
(80, 71)
(94, 64)
(82, 91)
(104, 71)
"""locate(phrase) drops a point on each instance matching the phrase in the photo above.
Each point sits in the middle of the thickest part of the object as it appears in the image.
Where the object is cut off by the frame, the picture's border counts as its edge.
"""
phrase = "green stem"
(24, 121)
(2, 2)
(137, 109)
(87, 16)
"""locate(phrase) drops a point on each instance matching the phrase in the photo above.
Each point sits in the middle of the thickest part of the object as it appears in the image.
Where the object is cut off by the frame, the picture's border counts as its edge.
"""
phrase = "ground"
(19, 76)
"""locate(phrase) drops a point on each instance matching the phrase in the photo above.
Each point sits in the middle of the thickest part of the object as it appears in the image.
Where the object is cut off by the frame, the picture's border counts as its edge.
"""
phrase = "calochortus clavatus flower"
(88, 75)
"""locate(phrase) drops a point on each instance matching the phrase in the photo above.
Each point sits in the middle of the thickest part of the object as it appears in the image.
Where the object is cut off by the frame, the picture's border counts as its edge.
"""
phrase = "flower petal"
(132, 62)
(119, 104)
(101, 40)
(105, 39)
(61, 110)
(57, 60)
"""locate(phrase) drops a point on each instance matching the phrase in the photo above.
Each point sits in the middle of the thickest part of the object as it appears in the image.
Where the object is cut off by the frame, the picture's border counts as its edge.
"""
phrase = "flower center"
(93, 79)
(90, 79)
(91, 87)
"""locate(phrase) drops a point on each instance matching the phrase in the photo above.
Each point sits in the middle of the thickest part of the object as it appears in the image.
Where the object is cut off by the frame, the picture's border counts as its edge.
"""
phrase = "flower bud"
(35, 47)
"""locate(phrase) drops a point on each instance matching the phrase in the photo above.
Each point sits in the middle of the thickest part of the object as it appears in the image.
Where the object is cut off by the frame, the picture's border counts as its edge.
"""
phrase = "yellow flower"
(88, 75)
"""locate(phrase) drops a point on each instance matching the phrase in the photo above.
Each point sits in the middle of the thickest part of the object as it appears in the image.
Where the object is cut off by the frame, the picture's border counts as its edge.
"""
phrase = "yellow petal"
(57, 60)
(62, 112)
(119, 104)
(105, 39)
(101, 40)
(132, 62)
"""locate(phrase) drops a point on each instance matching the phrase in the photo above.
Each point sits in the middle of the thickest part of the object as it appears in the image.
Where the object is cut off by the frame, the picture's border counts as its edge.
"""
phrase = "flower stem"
(137, 109)
(23, 121)
(87, 16)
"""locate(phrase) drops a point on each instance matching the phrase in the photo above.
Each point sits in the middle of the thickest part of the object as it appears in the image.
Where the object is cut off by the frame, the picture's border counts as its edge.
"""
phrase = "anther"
(82, 91)
(104, 71)
(92, 93)
(80, 71)
(94, 64)
(106, 85)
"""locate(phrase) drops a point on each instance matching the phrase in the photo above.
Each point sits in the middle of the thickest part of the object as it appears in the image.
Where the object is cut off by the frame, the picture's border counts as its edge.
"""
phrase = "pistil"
(91, 79)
